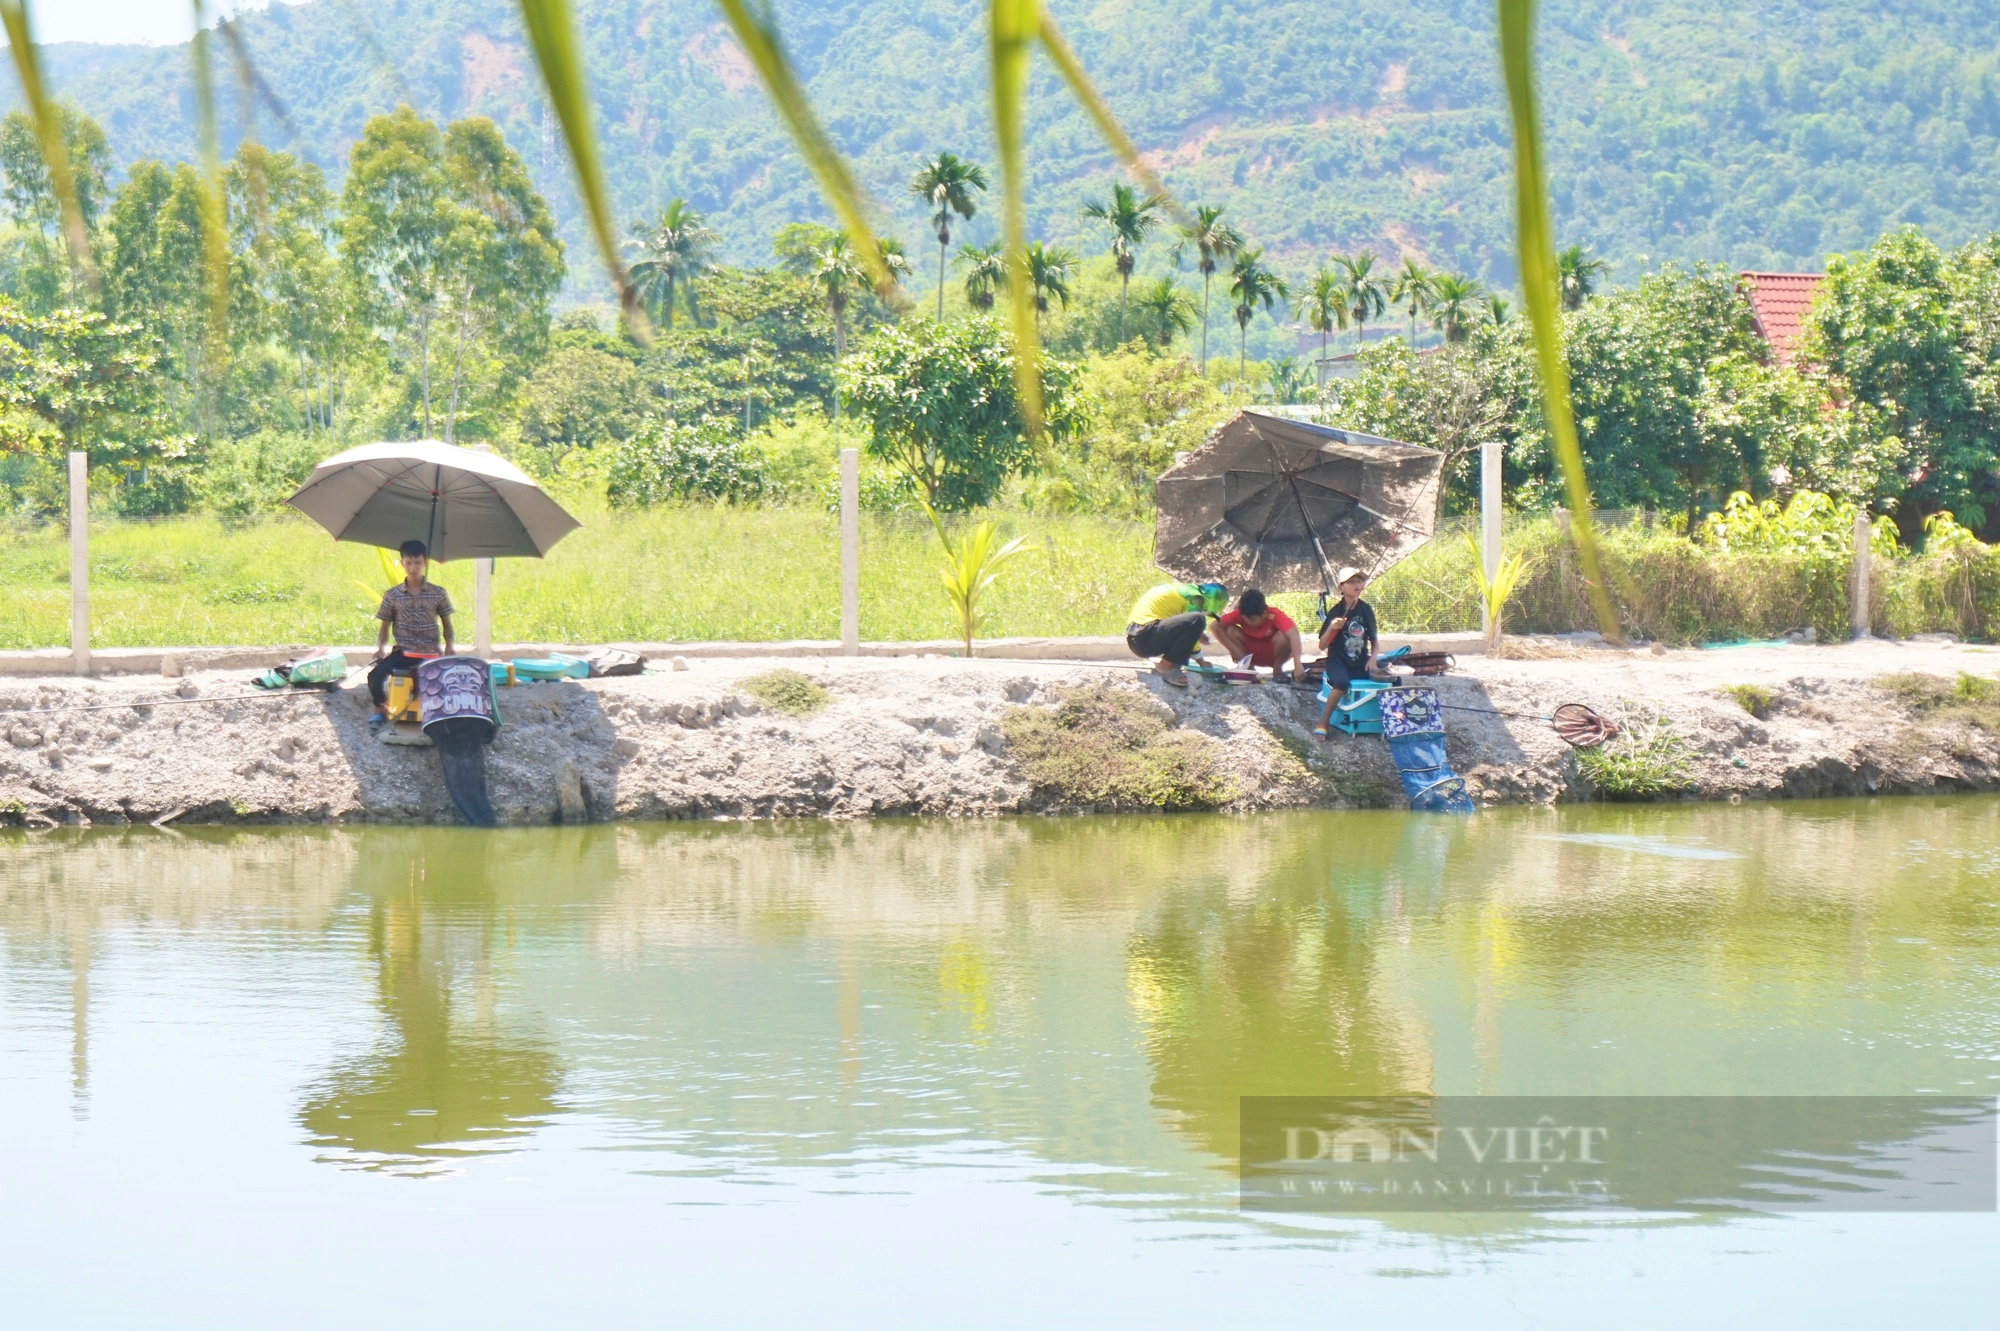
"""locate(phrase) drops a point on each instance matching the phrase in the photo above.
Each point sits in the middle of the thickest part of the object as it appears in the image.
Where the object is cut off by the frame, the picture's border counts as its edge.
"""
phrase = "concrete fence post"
(482, 607)
(1489, 523)
(850, 551)
(79, 561)
(1858, 583)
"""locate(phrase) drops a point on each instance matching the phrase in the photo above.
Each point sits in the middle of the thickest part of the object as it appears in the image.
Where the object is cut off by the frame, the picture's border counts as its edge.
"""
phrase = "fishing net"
(1582, 728)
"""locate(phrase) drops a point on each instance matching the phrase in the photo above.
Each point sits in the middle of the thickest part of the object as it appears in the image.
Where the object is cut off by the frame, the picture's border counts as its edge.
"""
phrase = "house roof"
(1778, 303)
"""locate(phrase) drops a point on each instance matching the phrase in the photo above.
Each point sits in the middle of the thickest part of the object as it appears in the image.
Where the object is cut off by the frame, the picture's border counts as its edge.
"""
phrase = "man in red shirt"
(1261, 632)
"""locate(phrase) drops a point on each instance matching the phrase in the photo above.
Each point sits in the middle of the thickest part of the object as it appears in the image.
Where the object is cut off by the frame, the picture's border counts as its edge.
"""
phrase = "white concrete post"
(482, 607)
(1489, 522)
(482, 595)
(850, 551)
(79, 561)
(1858, 583)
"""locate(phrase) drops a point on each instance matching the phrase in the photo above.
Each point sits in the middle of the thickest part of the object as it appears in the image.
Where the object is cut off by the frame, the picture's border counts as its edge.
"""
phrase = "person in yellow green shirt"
(1169, 621)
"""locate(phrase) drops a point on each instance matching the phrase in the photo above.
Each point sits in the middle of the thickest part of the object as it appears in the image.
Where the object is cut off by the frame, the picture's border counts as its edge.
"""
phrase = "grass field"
(759, 574)
(687, 574)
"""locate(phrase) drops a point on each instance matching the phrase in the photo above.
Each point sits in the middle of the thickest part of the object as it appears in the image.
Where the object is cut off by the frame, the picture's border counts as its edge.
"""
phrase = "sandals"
(1176, 677)
(1320, 732)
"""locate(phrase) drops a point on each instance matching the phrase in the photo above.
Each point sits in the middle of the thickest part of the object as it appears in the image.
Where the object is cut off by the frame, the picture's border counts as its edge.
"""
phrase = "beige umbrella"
(1280, 504)
(461, 503)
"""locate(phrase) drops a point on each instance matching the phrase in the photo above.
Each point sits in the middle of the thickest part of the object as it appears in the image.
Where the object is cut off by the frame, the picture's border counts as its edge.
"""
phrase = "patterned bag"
(1413, 726)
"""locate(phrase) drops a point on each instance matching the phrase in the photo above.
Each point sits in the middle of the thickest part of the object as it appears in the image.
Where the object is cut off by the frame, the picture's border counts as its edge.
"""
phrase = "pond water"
(969, 1074)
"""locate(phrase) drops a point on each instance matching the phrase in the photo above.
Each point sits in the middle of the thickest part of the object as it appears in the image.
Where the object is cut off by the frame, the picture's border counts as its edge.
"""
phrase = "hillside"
(1695, 129)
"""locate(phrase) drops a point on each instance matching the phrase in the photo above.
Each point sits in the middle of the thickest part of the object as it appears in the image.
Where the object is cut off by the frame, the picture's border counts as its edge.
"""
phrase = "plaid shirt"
(415, 614)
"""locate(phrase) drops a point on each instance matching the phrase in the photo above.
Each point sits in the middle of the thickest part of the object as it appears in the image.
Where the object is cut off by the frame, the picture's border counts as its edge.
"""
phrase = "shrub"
(672, 460)
(1753, 698)
(1970, 698)
(1644, 763)
(786, 691)
(1116, 748)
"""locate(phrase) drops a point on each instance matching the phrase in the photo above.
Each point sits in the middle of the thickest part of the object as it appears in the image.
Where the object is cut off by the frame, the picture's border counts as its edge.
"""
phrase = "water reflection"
(1093, 995)
(449, 1078)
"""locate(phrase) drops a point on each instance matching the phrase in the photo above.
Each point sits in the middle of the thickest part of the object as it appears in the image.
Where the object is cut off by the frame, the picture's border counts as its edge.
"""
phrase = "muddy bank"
(940, 736)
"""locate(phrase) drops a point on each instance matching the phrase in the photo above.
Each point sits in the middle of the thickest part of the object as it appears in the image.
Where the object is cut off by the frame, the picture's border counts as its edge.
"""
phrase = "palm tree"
(1576, 276)
(1411, 289)
(1498, 310)
(672, 252)
(1049, 275)
(1130, 218)
(1456, 305)
(836, 270)
(1170, 308)
(1362, 291)
(1289, 380)
(1324, 308)
(1252, 283)
(948, 184)
(1212, 241)
(985, 273)
(893, 258)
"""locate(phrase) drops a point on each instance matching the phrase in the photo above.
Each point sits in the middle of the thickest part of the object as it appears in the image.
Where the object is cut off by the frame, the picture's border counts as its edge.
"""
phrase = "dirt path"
(931, 736)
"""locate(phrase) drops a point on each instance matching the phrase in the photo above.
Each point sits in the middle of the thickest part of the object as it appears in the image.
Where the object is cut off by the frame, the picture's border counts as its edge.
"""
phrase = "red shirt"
(1261, 638)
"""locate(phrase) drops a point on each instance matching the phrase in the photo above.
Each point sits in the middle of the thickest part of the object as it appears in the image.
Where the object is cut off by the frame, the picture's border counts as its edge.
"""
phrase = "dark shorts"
(1173, 637)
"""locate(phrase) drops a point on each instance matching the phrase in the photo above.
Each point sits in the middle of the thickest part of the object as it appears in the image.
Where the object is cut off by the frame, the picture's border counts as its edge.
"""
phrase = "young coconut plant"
(1494, 592)
(972, 566)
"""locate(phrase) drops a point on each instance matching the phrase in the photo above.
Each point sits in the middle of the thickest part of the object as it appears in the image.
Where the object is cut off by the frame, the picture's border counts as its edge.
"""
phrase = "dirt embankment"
(939, 736)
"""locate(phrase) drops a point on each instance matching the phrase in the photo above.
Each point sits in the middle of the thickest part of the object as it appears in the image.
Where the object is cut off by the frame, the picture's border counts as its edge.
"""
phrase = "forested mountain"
(1759, 135)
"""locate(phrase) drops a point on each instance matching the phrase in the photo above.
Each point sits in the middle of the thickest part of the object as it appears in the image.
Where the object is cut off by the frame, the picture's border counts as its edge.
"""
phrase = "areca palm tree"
(1130, 218)
(1213, 241)
(1170, 309)
(1576, 276)
(1498, 310)
(1324, 307)
(1361, 290)
(1049, 274)
(893, 258)
(1457, 302)
(837, 272)
(1411, 289)
(948, 184)
(672, 251)
(1252, 283)
(985, 273)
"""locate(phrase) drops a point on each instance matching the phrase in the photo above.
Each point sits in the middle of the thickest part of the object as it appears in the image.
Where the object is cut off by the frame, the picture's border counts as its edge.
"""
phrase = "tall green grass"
(673, 574)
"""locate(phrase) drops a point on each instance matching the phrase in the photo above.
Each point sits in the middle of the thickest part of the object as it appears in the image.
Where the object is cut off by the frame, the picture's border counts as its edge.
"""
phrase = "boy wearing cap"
(1262, 632)
(1348, 639)
(1169, 621)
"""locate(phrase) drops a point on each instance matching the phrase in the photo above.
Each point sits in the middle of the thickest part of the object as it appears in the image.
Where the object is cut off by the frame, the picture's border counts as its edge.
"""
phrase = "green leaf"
(553, 36)
(1538, 290)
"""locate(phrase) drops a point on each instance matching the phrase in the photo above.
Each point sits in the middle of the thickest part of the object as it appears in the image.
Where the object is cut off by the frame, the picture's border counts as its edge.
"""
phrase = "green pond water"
(950, 1074)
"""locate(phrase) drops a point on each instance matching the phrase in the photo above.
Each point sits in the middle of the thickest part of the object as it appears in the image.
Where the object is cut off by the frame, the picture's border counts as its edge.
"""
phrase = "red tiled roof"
(1778, 303)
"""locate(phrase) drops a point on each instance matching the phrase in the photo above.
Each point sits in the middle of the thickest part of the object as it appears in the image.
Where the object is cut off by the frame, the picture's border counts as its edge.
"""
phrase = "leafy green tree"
(669, 461)
(580, 396)
(1894, 327)
(289, 284)
(78, 379)
(397, 216)
(51, 277)
(1411, 290)
(503, 263)
(940, 403)
(776, 318)
(948, 185)
(1131, 218)
(1324, 307)
(1577, 276)
(1212, 241)
(1453, 399)
(1051, 270)
(1167, 309)
(1365, 296)
(672, 251)
(1457, 305)
(1252, 283)
(154, 280)
(985, 273)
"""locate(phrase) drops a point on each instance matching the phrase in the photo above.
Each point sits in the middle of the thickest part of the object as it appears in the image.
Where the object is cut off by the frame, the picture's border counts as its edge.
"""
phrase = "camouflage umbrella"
(1279, 504)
